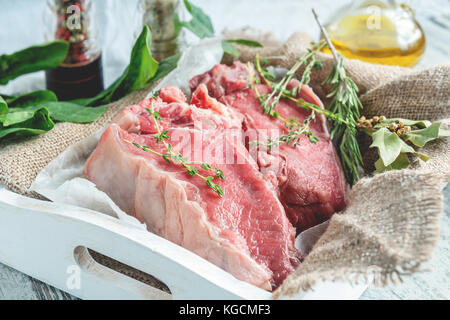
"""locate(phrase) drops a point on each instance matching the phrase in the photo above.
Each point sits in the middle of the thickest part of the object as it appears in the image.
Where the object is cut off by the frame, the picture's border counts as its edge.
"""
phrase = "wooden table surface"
(434, 17)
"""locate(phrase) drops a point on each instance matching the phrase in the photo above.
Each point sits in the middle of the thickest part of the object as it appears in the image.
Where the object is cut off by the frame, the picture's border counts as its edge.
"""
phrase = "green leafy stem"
(35, 113)
(201, 25)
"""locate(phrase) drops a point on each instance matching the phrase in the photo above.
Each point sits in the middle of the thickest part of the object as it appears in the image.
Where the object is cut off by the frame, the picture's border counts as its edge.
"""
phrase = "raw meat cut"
(308, 178)
(246, 232)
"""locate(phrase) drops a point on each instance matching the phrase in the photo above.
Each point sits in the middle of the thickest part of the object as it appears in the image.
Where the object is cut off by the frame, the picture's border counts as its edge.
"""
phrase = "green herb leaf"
(167, 157)
(245, 42)
(389, 145)
(444, 133)
(200, 24)
(420, 137)
(192, 171)
(206, 166)
(422, 156)
(219, 174)
(401, 162)
(230, 49)
(412, 123)
(70, 112)
(162, 136)
(32, 59)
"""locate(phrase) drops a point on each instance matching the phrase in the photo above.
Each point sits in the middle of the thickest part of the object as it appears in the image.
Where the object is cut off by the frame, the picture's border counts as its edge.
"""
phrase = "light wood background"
(281, 17)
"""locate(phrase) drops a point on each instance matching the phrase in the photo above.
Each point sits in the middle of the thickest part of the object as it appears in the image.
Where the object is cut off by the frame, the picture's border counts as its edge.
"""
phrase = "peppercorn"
(393, 127)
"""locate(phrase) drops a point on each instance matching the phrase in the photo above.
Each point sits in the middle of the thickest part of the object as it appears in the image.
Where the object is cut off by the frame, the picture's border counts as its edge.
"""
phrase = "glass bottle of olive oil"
(377, 31)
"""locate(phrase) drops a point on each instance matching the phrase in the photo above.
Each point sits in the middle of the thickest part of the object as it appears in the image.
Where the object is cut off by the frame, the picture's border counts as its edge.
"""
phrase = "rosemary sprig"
(175, 157)
(346, 104)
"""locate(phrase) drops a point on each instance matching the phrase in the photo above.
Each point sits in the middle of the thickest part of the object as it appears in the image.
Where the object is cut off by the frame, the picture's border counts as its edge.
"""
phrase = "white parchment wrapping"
(63, 181)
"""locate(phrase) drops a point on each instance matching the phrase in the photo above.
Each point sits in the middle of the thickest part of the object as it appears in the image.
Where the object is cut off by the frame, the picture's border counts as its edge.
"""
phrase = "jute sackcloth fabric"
(390, 226)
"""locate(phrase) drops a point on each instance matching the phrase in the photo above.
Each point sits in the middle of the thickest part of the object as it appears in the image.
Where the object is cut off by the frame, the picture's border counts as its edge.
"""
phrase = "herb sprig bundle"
(279, 89)
(292, 94)
(171, 156)
(394, 138)
(347, 105)
(296, 128)
(270, 101)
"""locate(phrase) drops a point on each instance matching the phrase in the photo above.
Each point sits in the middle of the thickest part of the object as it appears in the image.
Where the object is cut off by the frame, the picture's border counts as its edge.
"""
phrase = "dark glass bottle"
(81, 73)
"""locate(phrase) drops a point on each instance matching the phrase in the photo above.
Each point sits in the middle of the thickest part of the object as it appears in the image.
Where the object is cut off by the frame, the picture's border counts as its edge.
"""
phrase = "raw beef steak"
(308, 178)
(245, 232)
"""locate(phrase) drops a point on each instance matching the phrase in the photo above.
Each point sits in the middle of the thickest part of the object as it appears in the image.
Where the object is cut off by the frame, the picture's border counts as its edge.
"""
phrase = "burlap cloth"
(390, 226)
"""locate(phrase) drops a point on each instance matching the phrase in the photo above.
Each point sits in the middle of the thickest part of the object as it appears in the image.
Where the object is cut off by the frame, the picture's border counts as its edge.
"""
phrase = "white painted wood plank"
(39, 239)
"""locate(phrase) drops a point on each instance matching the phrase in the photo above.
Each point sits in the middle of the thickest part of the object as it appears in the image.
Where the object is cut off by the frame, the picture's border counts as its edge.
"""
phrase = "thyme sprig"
(171, 156)
(296, 128)
(279, 89)
(292, 94)
(347, 105)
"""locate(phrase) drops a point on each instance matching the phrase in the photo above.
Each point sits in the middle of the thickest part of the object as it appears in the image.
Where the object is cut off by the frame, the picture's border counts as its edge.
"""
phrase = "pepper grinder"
(81, 73)
(160, 17)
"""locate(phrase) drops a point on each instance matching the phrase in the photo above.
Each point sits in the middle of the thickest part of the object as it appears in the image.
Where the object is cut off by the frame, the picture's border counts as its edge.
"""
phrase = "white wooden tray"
(48, 241)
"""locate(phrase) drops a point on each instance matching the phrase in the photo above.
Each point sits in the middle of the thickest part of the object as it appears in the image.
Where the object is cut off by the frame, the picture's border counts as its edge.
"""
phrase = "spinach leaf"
(38, 124)
(18, 115)
(200, 24)
(32, 99)
(142, 66)
(165, 67)
(33, 113)
(140, 71)
(32, 59)
(202, 27)
(3, 106)
(6, 97)
(70, 112)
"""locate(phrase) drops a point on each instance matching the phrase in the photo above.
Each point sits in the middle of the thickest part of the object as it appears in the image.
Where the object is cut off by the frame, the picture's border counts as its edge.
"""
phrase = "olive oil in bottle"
(383, 32)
